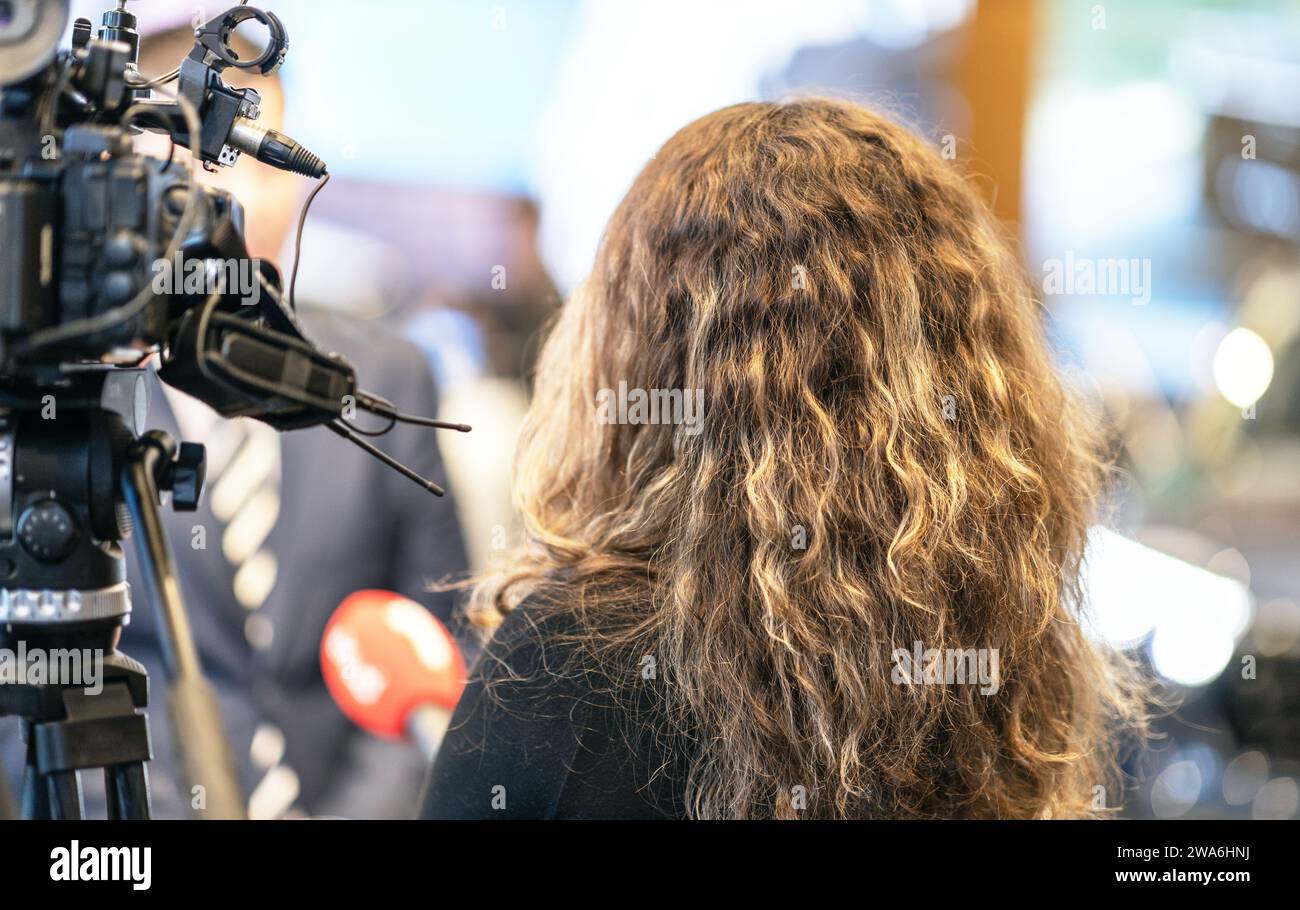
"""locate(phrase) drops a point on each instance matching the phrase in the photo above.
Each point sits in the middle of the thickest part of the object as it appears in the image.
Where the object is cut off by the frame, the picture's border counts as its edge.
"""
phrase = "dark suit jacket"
(346, 522)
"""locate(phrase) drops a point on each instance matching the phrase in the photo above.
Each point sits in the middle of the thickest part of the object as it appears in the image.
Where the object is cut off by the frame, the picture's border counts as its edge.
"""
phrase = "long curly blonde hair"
(886, 457)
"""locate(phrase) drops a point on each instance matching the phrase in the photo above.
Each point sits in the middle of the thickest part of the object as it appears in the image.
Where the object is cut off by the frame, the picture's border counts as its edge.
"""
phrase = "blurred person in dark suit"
(288, 526)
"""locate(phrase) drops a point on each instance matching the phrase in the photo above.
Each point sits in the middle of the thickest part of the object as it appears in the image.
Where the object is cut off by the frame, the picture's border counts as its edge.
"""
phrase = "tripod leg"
(35, 797)
(112, 807)
(202, 747)
(8, 808)
(128, 791)
(64, 788)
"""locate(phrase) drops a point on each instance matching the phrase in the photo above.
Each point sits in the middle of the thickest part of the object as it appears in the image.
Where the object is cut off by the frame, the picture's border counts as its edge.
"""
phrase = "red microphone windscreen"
(383, 656)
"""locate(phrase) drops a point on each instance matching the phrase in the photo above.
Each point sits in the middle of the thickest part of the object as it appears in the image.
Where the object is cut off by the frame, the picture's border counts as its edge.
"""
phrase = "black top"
(539, 733)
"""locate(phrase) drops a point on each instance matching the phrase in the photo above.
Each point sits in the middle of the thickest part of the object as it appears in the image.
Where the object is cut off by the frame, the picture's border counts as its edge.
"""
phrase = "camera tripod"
(71, 488)
(77, 235)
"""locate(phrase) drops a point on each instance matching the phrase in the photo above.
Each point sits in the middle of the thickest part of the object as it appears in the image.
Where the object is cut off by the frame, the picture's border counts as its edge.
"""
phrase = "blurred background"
(1147, 152)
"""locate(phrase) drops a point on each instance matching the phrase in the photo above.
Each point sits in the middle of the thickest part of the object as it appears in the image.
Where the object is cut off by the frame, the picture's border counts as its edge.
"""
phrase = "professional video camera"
(97, 244)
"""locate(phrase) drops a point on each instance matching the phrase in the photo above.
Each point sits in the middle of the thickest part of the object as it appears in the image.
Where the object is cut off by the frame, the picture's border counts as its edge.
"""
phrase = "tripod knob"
(47, 530)
(187, 474)
(81, 33)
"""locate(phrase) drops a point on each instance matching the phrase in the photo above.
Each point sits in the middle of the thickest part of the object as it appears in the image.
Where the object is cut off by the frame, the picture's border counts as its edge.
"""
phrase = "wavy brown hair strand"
(877, 388)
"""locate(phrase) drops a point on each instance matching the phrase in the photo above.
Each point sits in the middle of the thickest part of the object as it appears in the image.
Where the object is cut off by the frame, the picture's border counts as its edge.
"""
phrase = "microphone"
(392, 668)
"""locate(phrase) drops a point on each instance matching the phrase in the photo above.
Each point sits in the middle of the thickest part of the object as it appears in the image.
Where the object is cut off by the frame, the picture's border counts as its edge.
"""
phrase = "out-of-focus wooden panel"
(994, 76)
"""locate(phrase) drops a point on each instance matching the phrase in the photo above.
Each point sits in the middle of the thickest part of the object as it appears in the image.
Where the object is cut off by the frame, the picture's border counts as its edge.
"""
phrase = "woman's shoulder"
(537, 643)
(550, 724)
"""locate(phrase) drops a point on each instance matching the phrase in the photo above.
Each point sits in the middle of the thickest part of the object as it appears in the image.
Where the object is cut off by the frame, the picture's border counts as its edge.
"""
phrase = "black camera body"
(96, 239)
(87, 225)
(80, 215)
(82, 237)
(84, 221)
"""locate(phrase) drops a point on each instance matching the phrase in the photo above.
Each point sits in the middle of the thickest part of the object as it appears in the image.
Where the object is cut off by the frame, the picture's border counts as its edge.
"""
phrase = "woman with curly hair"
(845, 448)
